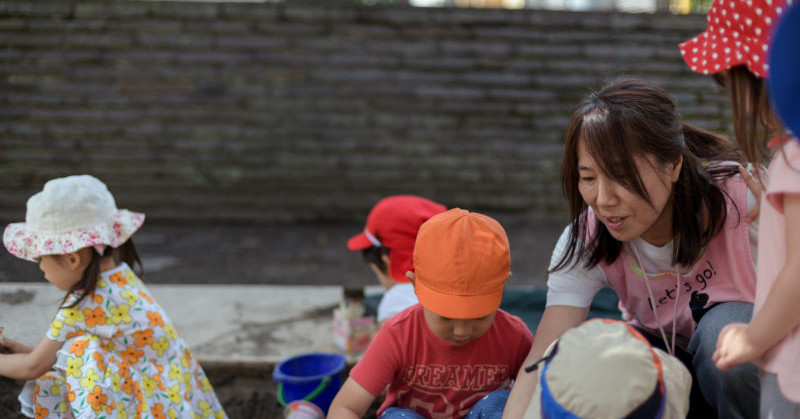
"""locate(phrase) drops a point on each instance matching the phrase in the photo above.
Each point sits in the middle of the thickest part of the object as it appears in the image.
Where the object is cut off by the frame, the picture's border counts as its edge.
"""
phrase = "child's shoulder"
(405, 318)
(791, 148)
(505, 320)
(122, 275)
(504, 316)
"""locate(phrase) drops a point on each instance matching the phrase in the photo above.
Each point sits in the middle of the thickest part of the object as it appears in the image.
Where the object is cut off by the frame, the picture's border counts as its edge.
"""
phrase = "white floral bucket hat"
(70, 213)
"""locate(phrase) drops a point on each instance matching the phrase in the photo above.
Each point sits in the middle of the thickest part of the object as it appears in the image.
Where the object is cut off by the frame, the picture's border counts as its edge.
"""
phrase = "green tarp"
(529, 304)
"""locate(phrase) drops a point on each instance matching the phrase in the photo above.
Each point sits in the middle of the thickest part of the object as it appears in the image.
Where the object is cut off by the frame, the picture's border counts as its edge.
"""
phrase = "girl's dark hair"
(88, 282)
(630, 117)
(753, 120)
(374, 255)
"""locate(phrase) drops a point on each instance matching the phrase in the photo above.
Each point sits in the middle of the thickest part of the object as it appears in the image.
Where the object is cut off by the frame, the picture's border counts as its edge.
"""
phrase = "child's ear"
(72, 260)
(78, 260)
(386, 260)
(411, 277)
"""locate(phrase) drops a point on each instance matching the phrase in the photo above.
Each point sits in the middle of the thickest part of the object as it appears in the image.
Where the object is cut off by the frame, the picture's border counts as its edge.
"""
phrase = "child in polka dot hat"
(735, 50)
(738, 34)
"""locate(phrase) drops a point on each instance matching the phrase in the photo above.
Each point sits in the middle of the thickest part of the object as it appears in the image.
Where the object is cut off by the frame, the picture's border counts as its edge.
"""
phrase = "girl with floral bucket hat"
(111, 349)
(771, 340)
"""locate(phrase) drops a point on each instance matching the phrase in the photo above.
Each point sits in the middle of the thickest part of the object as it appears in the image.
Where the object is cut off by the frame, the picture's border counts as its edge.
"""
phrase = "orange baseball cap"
(462, 261)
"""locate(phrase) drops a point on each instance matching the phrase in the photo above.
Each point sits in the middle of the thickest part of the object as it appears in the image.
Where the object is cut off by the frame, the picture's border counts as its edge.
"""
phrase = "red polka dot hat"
(738, 32)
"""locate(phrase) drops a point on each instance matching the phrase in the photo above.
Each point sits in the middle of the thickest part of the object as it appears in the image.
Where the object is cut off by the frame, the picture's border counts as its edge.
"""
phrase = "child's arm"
(23, 365)
(352, 401)
(740, 343)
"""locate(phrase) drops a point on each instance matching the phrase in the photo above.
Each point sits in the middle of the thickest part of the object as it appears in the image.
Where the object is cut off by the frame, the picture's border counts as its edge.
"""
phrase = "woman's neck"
(660, 233)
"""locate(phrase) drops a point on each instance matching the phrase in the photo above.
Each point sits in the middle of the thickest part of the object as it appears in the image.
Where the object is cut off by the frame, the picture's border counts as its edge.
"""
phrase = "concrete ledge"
(245, 325)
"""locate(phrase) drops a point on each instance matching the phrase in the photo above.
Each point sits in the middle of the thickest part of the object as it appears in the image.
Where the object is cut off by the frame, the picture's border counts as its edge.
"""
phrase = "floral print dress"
(122, 358)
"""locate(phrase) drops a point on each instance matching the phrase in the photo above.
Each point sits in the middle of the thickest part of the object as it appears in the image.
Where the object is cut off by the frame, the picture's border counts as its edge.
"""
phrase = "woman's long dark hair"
(88, 283)
(630, 117)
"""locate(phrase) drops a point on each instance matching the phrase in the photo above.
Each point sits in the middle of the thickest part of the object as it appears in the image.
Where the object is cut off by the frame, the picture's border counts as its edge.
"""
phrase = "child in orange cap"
(387, 243)
(453, 355)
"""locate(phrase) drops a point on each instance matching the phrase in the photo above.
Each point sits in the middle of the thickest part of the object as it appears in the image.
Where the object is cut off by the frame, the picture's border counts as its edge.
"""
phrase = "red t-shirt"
(435, 378)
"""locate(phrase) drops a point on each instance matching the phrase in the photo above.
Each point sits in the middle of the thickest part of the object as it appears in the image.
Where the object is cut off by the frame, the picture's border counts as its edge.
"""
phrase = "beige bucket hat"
(607, 369)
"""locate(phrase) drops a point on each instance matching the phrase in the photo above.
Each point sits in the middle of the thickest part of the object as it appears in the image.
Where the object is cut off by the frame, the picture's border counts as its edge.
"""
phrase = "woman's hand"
(734, 347)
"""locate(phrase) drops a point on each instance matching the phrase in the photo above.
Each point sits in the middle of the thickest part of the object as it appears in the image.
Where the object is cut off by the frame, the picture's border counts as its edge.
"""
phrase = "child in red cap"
(387, 244)
(453, 355)
(735, 49)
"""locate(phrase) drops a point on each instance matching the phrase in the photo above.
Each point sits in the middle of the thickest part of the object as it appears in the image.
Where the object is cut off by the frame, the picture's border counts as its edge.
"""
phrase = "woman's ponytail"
(707, 145)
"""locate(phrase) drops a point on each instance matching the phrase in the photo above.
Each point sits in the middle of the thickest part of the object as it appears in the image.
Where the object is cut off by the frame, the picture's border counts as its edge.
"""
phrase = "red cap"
(394, 223)
(463, 261)
(738, 32)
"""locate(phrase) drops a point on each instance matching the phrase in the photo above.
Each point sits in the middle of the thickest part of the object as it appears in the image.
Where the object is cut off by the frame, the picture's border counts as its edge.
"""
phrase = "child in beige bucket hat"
(111, 349)
(606, 369)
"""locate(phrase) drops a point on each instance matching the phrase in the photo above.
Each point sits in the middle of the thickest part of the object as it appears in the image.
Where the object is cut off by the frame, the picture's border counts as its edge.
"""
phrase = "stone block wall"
(303, 110)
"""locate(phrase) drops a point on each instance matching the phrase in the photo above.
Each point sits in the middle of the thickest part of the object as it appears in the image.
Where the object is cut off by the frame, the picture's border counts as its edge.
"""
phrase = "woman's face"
(626, 214)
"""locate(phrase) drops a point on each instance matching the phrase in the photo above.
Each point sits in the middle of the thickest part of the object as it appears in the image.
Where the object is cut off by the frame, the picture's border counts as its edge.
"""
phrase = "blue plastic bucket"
(313, 377)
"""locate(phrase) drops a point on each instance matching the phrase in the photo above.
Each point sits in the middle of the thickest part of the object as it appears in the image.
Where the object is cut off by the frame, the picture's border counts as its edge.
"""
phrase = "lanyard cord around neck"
(670, 348)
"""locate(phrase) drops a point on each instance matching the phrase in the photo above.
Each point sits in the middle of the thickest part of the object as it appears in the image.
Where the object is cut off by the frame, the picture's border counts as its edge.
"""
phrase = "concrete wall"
(313, 110)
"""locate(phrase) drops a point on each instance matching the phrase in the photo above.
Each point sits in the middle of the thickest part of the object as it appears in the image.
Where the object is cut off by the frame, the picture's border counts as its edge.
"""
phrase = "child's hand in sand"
(8, 346)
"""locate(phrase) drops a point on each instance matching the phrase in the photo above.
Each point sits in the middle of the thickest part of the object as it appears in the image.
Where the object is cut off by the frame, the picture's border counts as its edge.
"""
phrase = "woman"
(659, 214)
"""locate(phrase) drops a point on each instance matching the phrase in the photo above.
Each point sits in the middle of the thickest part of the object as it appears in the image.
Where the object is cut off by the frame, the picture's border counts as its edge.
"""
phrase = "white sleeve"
(752, 228)
(574, 285)
(396, 299)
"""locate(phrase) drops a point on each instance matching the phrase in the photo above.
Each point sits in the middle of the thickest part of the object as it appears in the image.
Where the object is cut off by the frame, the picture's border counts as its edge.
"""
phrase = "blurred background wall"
(298, 111)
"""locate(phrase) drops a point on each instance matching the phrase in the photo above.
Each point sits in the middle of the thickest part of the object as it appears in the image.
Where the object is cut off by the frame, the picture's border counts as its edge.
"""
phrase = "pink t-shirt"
(783, 179)
(433, 377)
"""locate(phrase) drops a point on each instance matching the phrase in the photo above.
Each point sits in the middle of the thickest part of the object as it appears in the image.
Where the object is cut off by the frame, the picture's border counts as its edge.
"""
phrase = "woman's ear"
(676, 169)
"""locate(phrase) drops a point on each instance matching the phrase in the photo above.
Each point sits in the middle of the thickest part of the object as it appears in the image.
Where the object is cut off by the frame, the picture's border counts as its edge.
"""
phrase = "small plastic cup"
(301, 409)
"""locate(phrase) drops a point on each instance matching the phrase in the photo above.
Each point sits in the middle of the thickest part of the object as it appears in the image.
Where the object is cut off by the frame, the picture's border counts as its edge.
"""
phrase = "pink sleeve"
(380, 363)
(784, 175)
